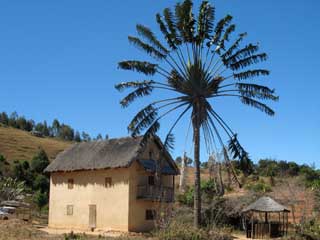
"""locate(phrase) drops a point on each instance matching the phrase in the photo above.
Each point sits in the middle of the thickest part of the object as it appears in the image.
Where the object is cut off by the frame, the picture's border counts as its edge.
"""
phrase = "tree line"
(56, 129)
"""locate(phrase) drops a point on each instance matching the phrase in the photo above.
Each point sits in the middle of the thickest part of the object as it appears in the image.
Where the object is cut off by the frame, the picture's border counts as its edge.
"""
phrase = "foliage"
(11, 189)
(57, 129)
(208, 191)
(39, 162)
(259, 187)
(41, 199)
(179, 231)
(41, 183)
(179, 160)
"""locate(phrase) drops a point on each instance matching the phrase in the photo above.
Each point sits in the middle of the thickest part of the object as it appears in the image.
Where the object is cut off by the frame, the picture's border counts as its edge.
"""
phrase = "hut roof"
(266, 204)
(112, 153)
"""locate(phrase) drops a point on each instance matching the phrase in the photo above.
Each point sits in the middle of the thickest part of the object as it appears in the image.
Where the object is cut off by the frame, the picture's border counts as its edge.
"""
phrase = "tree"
(41, 183)
(197, 64)
(4, 119)
(39, 162)
(85, 137)
(55, 127)
(41, 199)
(77, 137)
(99, 137)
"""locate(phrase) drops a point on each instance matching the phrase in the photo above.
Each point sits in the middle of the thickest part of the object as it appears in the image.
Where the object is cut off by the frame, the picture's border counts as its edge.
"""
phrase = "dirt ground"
(15, 229)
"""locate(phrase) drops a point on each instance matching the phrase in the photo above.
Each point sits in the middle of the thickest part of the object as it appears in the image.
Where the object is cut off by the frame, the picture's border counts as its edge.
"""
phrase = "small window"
(151, 180)
(108, 182)
(69, 210)
(150, 214)
(70, 183)
(150, 155)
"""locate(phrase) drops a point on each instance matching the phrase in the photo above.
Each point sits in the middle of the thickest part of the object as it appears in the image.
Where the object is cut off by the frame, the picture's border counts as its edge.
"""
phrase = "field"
(21, 145)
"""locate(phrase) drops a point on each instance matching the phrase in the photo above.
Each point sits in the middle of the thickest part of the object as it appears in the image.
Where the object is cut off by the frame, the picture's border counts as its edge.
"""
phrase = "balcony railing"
(149, 192)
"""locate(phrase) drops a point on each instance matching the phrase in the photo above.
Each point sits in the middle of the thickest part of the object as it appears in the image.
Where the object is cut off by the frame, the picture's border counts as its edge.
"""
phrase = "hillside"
(16, 144)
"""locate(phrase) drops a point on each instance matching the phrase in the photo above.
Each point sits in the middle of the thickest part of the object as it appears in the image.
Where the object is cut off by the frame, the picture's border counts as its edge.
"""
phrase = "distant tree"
(189, 161)
(4, 119)
(99, 137)
(107, 137)
(41, 199)
(45, 130)
(21, 171)
(12, 119)
(21, 123)
(204, 165)
(66, 132)
(39, 162)
(55, 127)
(41, 183)
(39, 127)
(77, 137)
(85, 137)
(30, 125)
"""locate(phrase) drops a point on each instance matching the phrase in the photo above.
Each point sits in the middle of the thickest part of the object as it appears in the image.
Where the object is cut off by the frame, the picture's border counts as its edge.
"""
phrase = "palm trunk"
(197, 192)
(182, 183)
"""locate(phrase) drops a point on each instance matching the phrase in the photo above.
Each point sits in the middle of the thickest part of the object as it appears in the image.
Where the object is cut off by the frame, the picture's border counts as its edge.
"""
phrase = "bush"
(259, 187)
(41, 199)
(39, 162)
(178, 231)
(208, 191)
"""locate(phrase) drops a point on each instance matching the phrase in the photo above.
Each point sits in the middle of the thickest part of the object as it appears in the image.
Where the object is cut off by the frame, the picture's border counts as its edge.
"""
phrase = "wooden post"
(252, 225)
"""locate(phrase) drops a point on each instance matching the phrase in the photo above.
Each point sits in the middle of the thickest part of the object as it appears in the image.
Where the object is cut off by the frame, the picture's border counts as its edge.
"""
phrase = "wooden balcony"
(153, 193)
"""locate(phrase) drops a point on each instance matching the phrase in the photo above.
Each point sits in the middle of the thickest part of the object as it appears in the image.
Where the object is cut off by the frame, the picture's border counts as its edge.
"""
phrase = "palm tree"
(198, 62)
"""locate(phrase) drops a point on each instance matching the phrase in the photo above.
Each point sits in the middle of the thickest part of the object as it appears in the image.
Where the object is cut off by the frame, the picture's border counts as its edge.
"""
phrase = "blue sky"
(58, 59)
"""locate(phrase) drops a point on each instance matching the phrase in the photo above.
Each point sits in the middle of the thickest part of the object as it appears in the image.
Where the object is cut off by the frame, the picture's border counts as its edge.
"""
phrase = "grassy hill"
(16, 144)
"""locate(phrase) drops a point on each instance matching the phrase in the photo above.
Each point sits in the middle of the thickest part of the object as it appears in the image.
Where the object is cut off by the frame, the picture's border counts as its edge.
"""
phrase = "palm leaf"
(139, 66)
(149, 35)
(234, 46)
(248, 61)
(250, 74)
(139, 92)
(261, 106)
(171, 25)
(205, 21)
(121, 86)
(257, 91)
(185, 20)
(146, 48)
(242, 53)
(169, 38)
(219, 30)
(143, 119)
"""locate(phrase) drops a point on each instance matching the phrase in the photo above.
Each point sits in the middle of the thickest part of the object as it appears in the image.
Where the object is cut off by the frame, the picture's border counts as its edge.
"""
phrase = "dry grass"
(15, 229)
(21, 145)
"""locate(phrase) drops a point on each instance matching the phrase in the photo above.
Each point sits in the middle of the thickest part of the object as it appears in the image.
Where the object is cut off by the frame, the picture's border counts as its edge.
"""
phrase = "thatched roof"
(112, 153)
(266, 204)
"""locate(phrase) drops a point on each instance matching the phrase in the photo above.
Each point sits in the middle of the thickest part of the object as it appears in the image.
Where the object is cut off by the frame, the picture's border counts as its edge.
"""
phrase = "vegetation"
(56, 129)
(11, 189)
(197, 64)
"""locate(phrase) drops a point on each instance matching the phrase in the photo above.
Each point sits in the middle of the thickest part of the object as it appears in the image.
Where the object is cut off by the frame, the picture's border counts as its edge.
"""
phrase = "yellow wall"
(138, 207)
(117, 207)
(89, 188)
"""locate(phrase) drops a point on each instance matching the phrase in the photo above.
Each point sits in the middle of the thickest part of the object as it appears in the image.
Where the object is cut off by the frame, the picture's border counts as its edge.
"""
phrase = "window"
(150, 214)
(70, 183)
(151, 180)
(69, 210)
(150, 155)
(108, 182)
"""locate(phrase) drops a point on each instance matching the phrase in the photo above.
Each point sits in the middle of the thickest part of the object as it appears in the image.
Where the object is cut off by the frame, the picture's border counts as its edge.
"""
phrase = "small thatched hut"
(266, 218)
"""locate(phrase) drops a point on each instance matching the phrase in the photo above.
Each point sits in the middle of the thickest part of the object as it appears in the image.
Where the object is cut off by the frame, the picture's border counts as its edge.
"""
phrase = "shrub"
(259, 187)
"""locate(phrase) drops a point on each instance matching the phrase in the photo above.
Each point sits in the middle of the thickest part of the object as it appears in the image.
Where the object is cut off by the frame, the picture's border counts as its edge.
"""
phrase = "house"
(109, 185)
